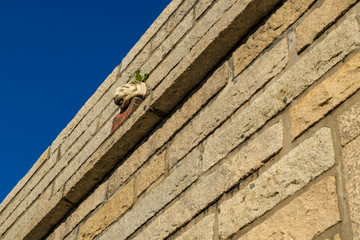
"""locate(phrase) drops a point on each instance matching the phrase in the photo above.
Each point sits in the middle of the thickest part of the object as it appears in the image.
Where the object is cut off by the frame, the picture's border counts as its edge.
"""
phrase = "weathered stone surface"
(307, 161)
(170, 25)
(210, 187)
(266, 34)
(281, 92)
(337, 237)
(108, 213)
(349, 124)
(201, 7)
(184, 173)
(89, 205)
(204, 229)
(229, 99)
(183, 48)
(351, 163)
(150, 173)
(318, 20)
(168, 44)
(215, 82)
(303, 218)
(325, 97)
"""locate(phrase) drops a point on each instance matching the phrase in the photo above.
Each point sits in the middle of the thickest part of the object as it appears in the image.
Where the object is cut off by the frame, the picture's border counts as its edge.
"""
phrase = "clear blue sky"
(53, 56)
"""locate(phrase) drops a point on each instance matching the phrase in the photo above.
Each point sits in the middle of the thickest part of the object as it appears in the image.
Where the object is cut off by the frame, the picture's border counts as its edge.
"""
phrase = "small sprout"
(139, 77)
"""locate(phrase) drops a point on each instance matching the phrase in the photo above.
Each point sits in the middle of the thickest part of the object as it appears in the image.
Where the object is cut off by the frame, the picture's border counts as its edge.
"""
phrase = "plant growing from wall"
(139, 77)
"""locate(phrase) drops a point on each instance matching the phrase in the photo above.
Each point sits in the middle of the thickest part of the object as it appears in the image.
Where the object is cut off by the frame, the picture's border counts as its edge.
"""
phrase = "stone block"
(291, 173)
(319, 20)
(282, 19)
(349, 124)
(213, 85)
(210, 187)
(303, 218)
(325, 97)
(185, 173)
(229, 99)
(351, 165)
(83, 210)
(201, 7)
(204, 229)
(284, 89)
(108, 213)
(150, 173)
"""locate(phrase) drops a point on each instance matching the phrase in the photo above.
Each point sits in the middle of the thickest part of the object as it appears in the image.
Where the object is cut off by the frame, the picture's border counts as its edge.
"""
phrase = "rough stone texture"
(213, 84)
(303, 218)
(212, 186)
(107, 214)
(201, 7)
(349, 124)
(266, 34)
(185, 173)
(351, 164)
(318, 20)
(325, 97)
(308, 160)
(229, 99)
(150, 173)
(281, 92)
(337, 237)
(204, 229)
(89, 205)
(168, 44)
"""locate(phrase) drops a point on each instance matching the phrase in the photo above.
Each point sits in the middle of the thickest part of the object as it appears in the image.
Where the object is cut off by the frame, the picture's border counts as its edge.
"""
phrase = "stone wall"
(251, 131)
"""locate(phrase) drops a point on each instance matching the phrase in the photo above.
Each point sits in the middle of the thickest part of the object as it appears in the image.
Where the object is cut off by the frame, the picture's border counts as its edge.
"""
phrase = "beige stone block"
(204, 229)
(228, 100)
(85, 208)
(291, 173)
(349, 124)
(325, 97)
(108, 213)
(337, 237)
(351, 164)
(150, 173)
(318, 20)
(213, 85)
(303, 218)
(283, 90)
(210, 187)
(201, 7)
(185, 173)
(266, 34)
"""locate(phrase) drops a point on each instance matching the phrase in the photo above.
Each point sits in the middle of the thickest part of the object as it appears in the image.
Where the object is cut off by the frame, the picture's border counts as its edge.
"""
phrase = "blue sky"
(53, 56)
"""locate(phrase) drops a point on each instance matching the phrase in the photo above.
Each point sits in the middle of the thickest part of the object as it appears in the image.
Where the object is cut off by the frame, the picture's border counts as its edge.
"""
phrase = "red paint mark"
(123, 116)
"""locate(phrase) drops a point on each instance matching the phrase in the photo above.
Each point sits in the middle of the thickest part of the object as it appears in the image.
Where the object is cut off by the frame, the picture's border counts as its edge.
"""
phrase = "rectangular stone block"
(319, 20)
(349, 124)
(351, 165)
(303, 218)
(229, 99)
(108, 213)
(325, 97)
(185, 173)
(150, 173)
(285, 16)
(204, 229)
(212, 85)
(210, 187)
(202, 6)
(291, 173)
(283, 90)
(85, 208)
